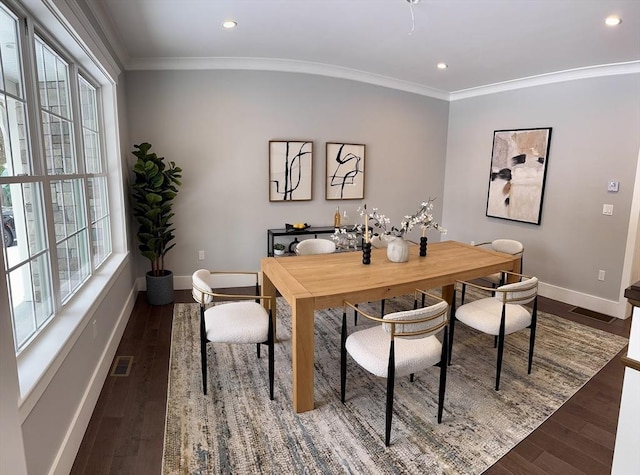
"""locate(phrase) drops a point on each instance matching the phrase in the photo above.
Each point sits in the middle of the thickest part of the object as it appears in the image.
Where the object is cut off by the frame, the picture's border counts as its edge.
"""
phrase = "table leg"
(447, 293)
(302, 354)
(517, 269)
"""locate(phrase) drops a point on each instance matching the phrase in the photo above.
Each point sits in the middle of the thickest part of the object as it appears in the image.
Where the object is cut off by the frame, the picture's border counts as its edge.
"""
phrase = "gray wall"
(596, 138)
(217, 125)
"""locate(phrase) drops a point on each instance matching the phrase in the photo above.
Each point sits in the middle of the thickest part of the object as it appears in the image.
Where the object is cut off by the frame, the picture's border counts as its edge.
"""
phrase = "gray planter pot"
(160, 289)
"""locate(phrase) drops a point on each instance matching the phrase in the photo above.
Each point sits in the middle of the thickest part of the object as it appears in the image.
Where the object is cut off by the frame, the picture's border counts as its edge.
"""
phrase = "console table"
(310, 231)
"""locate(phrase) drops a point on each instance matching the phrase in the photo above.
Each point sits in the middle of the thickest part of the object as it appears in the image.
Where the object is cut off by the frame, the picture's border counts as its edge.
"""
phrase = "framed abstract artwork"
(345, 171)
(290, 170)
(518, 172)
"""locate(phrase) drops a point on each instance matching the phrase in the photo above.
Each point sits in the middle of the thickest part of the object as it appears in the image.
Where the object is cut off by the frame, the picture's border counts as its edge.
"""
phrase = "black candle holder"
(366, 253)
(423, 246)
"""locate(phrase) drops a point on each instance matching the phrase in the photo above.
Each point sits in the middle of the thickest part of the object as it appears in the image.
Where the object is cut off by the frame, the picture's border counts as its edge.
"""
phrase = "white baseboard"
(183, 282)
(73, 438)
(591, 302)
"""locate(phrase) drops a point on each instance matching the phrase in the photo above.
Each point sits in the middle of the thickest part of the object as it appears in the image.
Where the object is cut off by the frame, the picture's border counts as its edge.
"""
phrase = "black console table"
(310, 231)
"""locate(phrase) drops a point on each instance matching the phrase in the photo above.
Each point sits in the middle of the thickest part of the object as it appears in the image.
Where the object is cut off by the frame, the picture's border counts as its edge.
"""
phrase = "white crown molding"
(282, 65)
(101, 15)
(67, 22)
(630, 67)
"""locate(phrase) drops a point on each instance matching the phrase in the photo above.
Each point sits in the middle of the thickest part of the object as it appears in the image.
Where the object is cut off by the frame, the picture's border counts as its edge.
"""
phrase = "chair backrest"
(418, 323)
(508, 246)
(315, 246)
(519, 293)
(200, 282)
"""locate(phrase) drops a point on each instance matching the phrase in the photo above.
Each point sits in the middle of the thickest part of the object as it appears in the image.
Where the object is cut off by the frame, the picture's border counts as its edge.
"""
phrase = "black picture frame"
(519, 162)
(345, 171)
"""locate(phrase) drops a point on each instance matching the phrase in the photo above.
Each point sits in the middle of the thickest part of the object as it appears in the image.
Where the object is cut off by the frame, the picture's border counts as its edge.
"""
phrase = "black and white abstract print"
(345, 171)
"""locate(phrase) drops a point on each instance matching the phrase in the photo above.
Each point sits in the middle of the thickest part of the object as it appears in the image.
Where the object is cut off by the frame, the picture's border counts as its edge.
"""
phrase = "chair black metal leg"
(532, 337)
(443, 374)
(343, 357)
(355, 316)
(499, 363)
(464, 291)
(391, 372)
(203, 357)
(500, 348)
(258, 349)
(411, 377)
(203, 351)
(382, 308)
(452, 321)
(495, 341)
(271, 354)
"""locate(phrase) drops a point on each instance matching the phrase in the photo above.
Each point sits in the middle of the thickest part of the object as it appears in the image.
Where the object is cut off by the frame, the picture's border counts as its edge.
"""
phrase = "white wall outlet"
(612, 186)
(607, 210)
(600, 275)
(201, 255)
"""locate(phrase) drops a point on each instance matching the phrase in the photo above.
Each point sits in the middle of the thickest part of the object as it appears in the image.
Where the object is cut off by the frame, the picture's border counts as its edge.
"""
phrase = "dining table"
(315, 282)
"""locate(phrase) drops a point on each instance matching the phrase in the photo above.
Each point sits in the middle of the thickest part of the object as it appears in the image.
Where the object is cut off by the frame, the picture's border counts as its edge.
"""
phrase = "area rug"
(236, 429)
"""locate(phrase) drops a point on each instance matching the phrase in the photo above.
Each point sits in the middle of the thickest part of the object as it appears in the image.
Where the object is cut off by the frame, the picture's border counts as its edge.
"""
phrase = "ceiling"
(388, 42)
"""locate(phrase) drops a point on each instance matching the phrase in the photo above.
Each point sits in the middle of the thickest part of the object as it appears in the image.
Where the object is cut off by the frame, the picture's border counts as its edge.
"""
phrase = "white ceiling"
(484, 42)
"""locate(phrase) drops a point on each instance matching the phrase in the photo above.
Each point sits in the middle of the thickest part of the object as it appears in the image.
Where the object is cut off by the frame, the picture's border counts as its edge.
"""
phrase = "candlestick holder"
(423, 246)
(366, 253)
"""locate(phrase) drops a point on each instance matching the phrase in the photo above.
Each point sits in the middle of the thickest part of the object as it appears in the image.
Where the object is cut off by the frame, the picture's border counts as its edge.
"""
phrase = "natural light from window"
(53, 182)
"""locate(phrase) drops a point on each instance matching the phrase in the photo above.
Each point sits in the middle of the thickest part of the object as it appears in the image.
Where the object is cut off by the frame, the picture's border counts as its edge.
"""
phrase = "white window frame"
(39, 361)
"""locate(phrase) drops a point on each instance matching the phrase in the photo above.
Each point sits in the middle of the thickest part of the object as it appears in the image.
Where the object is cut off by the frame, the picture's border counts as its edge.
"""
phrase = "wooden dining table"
(316, 282)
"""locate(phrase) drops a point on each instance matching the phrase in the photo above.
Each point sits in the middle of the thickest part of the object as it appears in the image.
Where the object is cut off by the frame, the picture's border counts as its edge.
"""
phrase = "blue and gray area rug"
(236, 429)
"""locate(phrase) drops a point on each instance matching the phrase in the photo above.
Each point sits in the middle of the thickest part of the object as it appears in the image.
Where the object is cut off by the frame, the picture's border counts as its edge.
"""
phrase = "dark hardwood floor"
(125, 434)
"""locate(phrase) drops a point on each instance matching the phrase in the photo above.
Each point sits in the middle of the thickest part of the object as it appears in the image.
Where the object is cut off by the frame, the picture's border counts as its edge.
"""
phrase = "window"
(54, 194)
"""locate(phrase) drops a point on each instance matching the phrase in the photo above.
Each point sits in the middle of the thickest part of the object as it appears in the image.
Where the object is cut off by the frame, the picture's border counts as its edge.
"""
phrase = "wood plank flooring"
(125, 434)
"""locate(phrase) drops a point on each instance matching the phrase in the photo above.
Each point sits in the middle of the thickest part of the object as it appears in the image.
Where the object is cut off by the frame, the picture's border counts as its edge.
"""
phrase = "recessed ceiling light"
(442, 65)
(229, 24)
(613, 20)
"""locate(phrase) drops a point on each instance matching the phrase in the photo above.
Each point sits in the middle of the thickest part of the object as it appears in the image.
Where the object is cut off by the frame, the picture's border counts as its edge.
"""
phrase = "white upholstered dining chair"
(499, 315)
(315, 246)
(404, 343)
(506, 246)
(246, 319)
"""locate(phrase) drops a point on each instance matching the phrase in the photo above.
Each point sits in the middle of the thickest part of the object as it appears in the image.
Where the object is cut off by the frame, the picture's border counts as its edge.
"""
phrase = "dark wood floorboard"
(125, 434)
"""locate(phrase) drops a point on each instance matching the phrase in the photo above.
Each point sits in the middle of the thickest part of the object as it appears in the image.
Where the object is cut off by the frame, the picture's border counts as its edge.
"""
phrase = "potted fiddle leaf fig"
(153, 191)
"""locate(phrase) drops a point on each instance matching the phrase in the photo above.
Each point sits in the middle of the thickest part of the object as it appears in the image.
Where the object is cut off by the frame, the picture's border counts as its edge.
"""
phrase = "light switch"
(607, 209)
(612, 186)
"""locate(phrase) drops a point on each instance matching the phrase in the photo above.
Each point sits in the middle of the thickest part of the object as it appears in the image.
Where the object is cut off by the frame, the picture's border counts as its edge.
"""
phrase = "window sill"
(39, 362)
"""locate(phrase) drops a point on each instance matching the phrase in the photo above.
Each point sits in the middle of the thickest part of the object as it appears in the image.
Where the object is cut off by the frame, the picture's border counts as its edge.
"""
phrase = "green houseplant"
(153, 191)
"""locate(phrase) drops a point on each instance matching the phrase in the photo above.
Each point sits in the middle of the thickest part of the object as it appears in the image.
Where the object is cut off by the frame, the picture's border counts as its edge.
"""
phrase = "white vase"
(398, 250)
